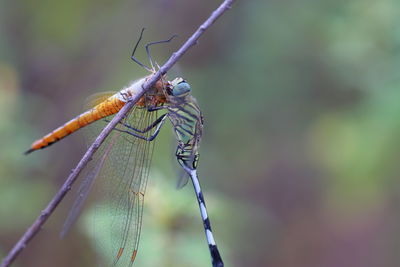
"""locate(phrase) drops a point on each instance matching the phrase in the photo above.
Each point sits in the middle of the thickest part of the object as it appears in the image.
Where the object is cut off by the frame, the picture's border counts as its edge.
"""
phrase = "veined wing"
(92, 171)
(97, 98)
(121, 169)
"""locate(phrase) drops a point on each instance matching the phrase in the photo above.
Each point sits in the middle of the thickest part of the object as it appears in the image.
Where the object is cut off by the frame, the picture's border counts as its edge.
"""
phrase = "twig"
(45, 214)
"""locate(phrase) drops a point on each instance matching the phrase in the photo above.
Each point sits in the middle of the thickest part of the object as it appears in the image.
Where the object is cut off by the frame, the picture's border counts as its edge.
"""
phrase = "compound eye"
(181, 88)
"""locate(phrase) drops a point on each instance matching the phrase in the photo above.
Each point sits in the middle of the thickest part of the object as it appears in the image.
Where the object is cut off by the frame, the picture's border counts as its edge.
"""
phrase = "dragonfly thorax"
(155, 96)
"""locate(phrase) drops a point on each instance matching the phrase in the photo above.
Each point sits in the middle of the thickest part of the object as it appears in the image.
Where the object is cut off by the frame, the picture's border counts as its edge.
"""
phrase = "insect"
(122, 163)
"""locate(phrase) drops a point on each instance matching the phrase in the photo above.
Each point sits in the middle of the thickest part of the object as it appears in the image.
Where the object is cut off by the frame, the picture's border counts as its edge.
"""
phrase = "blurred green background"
(299, 159)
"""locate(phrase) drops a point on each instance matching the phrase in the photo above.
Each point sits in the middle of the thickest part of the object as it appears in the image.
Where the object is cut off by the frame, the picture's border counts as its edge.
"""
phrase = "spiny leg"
(153, 43)
(159, 122)
(147, 50)
(134, 50)
(151, 126)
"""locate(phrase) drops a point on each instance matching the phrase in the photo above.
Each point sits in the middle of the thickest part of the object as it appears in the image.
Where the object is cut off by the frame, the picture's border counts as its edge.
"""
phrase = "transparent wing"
(182, 180)
(97, 98)
(118, 175)
(83, 192)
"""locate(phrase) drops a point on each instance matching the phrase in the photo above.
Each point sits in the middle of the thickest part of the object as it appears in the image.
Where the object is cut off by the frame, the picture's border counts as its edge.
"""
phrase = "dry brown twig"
(33, 230)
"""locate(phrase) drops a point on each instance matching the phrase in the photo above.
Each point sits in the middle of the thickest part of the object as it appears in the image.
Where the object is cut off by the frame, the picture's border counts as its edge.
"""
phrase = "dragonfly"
(122, 163)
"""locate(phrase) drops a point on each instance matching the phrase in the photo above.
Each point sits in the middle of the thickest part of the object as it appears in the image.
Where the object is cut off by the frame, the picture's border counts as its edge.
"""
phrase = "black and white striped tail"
(215, 256)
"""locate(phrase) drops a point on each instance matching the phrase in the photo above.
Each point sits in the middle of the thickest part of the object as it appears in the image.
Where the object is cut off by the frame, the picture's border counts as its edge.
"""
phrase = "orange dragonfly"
(121, 165)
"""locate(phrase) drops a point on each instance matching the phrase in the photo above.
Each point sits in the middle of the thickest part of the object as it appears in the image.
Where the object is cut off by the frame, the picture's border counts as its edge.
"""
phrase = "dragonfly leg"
(153, 43)
(134, 50)
(151, 109)
(159, 123)
(148, 128)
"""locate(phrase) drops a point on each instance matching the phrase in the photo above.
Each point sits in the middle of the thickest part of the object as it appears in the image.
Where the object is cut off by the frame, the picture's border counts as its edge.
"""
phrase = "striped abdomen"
(109, 107)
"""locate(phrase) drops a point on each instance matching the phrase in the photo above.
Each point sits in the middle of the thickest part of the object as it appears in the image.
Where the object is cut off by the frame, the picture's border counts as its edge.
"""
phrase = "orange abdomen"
(109, 107)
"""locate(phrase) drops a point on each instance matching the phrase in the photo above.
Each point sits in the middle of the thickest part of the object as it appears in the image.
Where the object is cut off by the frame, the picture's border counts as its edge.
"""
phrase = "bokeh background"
(300, 155)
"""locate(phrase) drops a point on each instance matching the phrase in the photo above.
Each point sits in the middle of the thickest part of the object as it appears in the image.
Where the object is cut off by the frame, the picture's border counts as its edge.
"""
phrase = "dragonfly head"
(179, 87)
